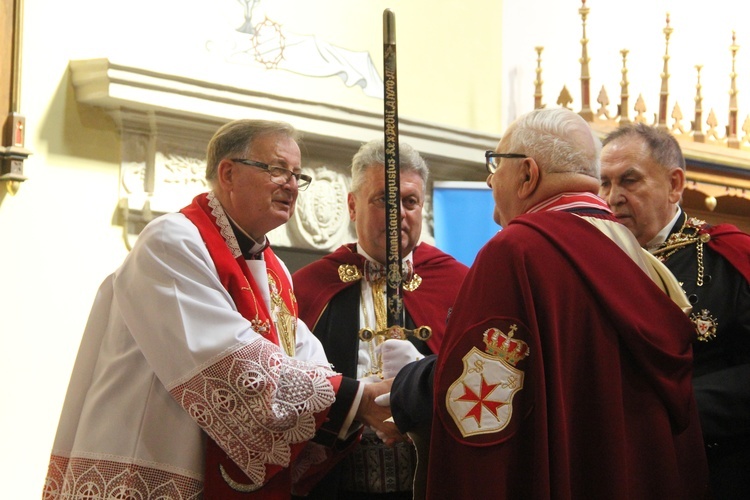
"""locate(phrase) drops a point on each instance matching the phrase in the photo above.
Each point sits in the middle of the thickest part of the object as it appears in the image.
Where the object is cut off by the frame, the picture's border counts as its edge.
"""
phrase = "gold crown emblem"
(505, 346)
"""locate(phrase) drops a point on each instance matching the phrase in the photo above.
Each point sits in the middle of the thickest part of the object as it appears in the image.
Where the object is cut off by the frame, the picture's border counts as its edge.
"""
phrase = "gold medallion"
(349, 273)
(705, 325)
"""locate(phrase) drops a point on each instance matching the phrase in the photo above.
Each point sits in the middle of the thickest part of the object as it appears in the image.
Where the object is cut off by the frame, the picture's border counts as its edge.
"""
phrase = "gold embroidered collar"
(349, 273)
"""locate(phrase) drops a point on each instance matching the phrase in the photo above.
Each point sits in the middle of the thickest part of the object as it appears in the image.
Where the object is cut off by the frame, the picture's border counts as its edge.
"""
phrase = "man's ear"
(529, 178)
(224, 174)
(352, 209)
(676, 184)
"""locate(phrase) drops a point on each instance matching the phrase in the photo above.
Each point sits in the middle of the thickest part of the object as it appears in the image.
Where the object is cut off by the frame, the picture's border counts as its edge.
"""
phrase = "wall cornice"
(143, 98)
(165, 122)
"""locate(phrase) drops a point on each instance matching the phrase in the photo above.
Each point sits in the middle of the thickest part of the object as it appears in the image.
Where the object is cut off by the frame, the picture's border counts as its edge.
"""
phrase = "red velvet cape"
(427, 305)
(606, 408)
(732, 244)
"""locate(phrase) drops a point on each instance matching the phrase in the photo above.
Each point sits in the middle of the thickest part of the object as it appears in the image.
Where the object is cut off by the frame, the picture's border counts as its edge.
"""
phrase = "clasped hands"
(374, 409)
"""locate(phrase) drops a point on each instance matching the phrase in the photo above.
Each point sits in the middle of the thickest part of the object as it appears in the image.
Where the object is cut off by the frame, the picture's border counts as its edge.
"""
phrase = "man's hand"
(396, 354)
(376, 416)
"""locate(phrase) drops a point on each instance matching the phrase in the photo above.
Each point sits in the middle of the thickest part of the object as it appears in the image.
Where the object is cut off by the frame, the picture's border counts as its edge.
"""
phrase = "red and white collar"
(572, 200)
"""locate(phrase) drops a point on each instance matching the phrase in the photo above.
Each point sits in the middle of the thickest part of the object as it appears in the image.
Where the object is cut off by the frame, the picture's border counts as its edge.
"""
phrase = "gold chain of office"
(687, 235)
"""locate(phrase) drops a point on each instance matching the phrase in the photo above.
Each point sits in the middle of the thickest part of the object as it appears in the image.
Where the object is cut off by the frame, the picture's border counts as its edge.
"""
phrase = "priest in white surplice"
(194, 378)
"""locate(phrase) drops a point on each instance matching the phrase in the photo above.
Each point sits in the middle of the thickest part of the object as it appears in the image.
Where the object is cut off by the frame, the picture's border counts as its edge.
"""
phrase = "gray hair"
(559, 140)
(372, 154)
(663, 148)
(235, 139)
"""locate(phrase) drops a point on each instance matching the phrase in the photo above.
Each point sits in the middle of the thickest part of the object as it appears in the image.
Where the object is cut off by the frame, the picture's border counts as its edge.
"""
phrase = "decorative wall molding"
(165, 122)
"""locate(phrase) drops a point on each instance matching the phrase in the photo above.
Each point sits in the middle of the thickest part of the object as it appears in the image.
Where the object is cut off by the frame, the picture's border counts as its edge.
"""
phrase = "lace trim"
(255, 403)
(312, 454)
(223, 222)
(84, 478)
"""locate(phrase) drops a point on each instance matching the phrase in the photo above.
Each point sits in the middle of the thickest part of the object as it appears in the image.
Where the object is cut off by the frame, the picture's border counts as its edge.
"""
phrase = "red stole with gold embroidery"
(234, 273)
(235, 276)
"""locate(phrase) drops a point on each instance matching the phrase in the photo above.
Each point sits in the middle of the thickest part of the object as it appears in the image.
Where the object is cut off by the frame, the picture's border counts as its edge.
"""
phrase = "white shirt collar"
(364, 254)
(662, 235)
(257, 246)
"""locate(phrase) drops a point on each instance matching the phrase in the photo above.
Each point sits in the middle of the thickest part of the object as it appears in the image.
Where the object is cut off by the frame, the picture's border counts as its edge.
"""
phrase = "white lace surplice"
(144, 381)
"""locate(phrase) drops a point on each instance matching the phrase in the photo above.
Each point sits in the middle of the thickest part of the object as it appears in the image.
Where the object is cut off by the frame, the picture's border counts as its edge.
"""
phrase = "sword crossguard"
(422, 333)
(366, 334)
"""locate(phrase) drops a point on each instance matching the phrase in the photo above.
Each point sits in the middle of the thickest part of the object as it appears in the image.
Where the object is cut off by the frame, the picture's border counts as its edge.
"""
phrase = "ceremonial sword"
(393, 282)
(394, 279)
(393, 257)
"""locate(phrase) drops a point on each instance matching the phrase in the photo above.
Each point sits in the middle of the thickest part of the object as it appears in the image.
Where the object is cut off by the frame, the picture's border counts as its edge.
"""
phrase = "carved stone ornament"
(321, 218)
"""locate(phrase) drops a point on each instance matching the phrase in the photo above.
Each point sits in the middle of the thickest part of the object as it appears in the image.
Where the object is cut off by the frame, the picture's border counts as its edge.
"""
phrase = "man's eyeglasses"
(279, 175)
(491, 159)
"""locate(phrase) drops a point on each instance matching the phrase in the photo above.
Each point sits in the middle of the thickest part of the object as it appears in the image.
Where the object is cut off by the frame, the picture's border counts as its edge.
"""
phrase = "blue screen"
(463, 218)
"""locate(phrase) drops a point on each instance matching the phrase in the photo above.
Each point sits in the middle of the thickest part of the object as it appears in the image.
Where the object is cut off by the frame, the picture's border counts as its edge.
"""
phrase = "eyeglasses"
(491, 159)
(279, 175)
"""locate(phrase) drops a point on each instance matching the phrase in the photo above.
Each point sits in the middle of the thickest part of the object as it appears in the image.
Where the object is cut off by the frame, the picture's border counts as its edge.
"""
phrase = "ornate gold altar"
(717, 153)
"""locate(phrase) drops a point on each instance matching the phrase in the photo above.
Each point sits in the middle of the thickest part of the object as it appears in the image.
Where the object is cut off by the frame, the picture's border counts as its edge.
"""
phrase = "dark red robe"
(732, 244)
(427, 305)
(564, 373)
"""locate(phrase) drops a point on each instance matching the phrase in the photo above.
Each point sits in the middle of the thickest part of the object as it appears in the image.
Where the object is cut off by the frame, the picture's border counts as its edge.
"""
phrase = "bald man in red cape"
(565, 371)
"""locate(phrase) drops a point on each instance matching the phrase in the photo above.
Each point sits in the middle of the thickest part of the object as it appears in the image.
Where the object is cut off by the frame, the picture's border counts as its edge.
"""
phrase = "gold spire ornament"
(640, 108)
(664, 94)
(586, 112)
(732, 140)
(538, 82)
(603, 100)
(677, 117)
(698, 135)
(712, 122)
(565, 99)
(622, 109)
